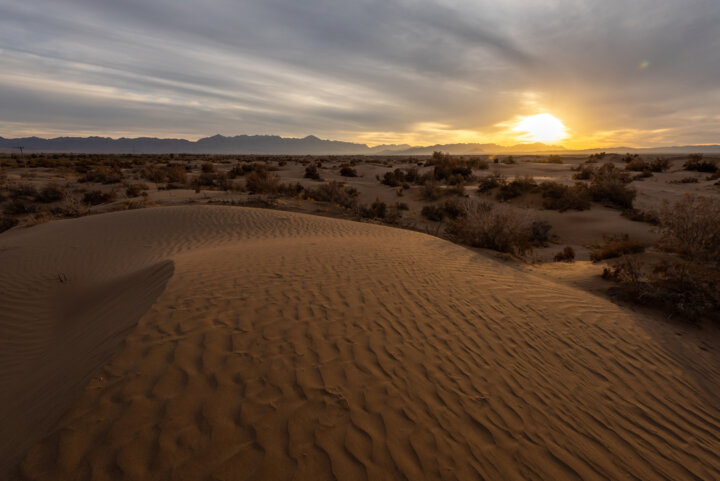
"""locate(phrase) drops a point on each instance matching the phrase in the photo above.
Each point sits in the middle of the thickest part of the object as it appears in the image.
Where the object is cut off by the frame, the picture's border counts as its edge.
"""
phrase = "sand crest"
(235, 343)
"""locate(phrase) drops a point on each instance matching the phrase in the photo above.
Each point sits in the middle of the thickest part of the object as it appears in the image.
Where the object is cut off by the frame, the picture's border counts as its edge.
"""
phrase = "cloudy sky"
(615, 72)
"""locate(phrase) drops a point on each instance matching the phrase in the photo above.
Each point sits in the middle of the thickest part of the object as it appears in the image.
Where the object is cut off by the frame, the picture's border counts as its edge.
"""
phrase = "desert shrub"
(96, 197)
(453, 208)
(659, 165)
(312, 172)
(641, 216)
(627, 158)
(402, 206)
(498, 228)
(176, 173)
(554, 159)
(565, 255)
(609, 184)
(615, 246)
(71, 206)
(433, 212)
(22, 191)
(697, 163)
(376, 210)
(335, 192)
(134, 190)
(393, 178)
(51, 193)
(691, 227)
(207, 167)
(347, 171)
(453, 169)
(489, 182)
(7, 222)
(293, 190)
(19, 207)
(562, 197)
(102, 175)
(236, 171)
(596, 157)
(516, 188)
(637, 165)
(456, 189)
(686, 180)
(642, 175)
(431, 191)
(262, 182)
(540, 232)
(584, 172)
(680, 287)
(509, 160)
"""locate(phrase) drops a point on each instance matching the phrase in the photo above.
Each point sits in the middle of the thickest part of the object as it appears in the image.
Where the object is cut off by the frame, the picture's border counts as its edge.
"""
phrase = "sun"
(541, 128)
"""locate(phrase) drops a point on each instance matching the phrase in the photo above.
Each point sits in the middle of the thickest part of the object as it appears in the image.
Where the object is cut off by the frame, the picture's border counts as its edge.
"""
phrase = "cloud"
(349, 70)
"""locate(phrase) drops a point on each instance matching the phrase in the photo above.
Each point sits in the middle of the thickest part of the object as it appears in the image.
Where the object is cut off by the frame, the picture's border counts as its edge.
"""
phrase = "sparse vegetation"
(498, 228)
(609, 185)
(312, 172)
(615, 246)
(97, 197)
(562, 197)
(565, 255)
(697, 163)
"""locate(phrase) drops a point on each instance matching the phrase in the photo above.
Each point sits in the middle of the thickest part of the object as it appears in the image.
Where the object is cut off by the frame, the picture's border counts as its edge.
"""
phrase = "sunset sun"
(541, 128)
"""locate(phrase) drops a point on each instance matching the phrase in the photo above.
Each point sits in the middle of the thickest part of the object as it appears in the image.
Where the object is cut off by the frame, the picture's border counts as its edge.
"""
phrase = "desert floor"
(197, 341)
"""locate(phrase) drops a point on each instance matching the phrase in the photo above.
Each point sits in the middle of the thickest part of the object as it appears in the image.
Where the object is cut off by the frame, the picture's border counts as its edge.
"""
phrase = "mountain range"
(310, 145)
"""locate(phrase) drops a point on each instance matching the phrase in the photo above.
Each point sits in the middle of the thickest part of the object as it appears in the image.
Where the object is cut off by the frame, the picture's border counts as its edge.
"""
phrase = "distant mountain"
(310, 145)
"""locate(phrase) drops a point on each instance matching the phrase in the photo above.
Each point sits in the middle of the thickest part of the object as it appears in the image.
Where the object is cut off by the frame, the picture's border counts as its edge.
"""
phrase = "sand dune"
(271, 345)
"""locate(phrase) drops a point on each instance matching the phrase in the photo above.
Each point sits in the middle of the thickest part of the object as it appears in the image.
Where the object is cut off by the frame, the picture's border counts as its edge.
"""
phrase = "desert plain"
(348, 317)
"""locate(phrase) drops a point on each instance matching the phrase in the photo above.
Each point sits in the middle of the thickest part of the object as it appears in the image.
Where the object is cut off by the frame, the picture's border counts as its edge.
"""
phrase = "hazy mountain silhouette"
(276, 145)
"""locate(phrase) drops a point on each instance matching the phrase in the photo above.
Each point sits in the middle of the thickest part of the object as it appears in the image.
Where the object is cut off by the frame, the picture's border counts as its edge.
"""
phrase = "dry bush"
(347, 171)
(540, 232)
(97, 197)
(615, 246)
(490, 182)
(691, 227)
(51, 193)
(637, 215)
(207, 167)
(376, 210)
(454, 169)
(685, 180)
(584, 172)
(565, 255)
(680, 287)
(19, 207)
(609, 184)
(312, 172)
(516, 188)
(102, 175)
(499, 228)
(431, 191)
(596, 157)
(562, 197)
(71, 206)
(697, 163)
(134, 190)
(335, 192)
(639, 165)
(433, 213)
(22, 191)
(7, 222)
(262, 182)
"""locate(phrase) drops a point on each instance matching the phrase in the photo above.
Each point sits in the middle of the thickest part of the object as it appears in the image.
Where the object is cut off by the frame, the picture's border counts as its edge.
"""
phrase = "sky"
(632, 73)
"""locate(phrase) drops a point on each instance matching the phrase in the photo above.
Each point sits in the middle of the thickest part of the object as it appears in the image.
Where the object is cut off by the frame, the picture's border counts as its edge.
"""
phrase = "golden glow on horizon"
(540, 128)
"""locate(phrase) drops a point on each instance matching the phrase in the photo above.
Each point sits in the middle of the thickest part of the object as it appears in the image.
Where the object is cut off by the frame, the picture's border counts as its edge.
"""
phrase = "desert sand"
(207, 342)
